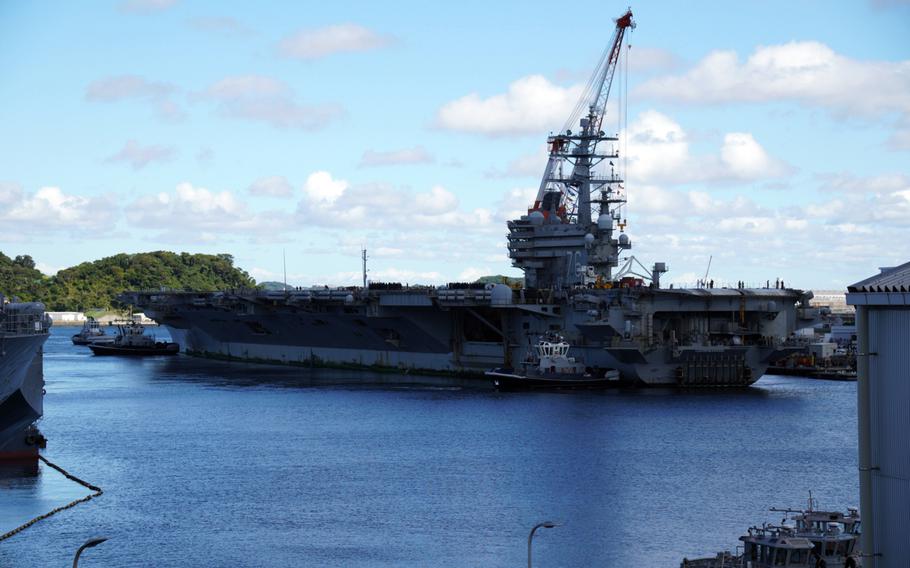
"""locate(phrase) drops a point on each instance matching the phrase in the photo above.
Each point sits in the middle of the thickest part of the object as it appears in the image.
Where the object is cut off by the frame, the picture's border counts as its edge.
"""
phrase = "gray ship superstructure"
(24, 328)
(570, 246)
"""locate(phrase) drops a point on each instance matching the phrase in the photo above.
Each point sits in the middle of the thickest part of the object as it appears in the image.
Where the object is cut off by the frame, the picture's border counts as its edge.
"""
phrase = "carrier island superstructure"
(614, 313)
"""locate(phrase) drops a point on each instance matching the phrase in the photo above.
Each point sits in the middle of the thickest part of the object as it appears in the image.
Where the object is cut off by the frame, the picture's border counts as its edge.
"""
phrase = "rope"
(97, 491)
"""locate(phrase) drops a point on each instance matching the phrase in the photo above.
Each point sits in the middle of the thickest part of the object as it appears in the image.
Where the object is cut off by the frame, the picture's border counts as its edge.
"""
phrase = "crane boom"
(606, 78)
(579, 150)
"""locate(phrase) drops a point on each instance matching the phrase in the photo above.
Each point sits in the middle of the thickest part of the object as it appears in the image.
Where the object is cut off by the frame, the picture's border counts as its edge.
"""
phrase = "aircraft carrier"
(580, 281)
(24, 327)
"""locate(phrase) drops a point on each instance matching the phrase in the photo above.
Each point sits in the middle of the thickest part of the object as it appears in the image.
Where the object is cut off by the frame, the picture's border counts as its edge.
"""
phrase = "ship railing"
(460, 295)
(28, 321)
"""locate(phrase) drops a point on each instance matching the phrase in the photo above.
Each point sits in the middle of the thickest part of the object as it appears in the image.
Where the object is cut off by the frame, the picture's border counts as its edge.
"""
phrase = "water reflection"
(12, 472)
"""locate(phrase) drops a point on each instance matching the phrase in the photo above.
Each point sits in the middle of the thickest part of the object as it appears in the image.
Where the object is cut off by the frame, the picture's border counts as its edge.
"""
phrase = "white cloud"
(10, 193)
(341, 38)
(514, 203)
(850, 183)
(268, 100)
(437, 202)
(659, 151)
(744, 158)
(827, 210)
(755, 241)
(532, 105)
(202, 213)
(48, 269)
(416, 155)
(271, 186)
(132, 87)
(387, 251)
(655, 200)
(393, 274)
(806, 72)
(50, 209)
(322, 187)
(335, 203)
(139, 156)
(472, 273)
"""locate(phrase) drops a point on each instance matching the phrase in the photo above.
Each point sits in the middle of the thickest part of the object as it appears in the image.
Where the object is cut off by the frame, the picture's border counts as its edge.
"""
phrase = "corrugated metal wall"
(889, 378)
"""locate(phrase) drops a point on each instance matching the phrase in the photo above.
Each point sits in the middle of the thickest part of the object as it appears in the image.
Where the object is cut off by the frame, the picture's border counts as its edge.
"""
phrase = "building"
(67, 318)
(882, 305)
(834, 299)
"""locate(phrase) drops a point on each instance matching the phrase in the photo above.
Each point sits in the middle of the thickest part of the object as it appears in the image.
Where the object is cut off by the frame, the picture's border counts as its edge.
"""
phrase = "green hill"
(273, 286)
(500, 279)
(19, 277)
(96, 284)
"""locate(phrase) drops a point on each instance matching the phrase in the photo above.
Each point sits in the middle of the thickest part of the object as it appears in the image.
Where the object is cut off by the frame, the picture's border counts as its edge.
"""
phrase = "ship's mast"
(578, 150)
(558, 243)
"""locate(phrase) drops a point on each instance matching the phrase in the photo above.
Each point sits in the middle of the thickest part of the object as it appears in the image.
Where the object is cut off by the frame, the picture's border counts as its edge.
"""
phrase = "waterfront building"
(836, 300)
(882, 305)
(67, 318)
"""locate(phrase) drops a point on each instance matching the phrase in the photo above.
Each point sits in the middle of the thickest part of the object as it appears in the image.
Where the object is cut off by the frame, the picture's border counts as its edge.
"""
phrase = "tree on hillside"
(96, 284)
(18, 277)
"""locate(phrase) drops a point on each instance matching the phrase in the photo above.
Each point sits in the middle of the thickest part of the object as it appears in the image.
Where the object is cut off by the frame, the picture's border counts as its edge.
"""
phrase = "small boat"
(92, 332)
(808, 538)
(131, 340)
(550, 368)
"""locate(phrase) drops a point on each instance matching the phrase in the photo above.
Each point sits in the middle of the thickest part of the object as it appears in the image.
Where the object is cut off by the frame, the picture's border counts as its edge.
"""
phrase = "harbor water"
(206, 463)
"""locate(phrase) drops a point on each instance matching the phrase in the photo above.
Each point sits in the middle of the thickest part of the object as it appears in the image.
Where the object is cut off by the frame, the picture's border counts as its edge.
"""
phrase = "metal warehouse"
(883, 402)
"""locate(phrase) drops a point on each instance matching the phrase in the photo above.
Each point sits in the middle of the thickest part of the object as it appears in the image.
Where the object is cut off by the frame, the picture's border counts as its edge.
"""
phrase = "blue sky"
(771, 136)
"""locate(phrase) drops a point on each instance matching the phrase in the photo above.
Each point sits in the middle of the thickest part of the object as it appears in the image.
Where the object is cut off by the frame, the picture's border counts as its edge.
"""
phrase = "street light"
(546, 525)
(88, 544)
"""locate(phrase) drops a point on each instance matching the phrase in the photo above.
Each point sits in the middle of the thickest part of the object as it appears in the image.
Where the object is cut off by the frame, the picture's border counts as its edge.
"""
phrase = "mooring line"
(97, 491)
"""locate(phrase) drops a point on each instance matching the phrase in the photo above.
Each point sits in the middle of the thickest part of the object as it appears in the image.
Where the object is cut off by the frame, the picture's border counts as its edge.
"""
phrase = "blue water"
(217, 464)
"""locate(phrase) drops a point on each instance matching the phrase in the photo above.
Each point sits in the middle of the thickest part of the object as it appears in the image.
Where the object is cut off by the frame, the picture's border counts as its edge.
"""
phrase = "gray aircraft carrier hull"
(432, 333)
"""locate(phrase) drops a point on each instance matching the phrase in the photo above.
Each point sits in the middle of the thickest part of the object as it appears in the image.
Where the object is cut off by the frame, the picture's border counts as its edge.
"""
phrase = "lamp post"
(546, 525)
(88, 544)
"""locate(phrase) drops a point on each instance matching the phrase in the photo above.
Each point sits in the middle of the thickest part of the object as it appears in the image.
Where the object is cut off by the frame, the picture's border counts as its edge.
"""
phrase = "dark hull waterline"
(158, 349)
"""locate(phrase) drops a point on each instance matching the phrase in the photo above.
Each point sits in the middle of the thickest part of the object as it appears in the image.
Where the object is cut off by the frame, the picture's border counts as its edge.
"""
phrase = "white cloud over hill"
(49, 209)
(197, 213)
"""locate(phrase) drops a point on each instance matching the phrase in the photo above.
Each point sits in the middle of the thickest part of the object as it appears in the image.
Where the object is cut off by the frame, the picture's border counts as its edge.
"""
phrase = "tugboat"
(822, 539)
(833, 534)
(92, 332)
(131, 340)
(552, 369)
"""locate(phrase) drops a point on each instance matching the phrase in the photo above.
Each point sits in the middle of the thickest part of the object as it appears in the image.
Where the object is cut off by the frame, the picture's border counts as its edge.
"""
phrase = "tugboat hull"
(158, 349)
(505, 380)
(78, 340)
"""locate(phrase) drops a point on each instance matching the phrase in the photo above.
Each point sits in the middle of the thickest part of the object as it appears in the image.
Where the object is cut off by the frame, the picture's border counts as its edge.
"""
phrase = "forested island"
(95, 285)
